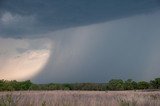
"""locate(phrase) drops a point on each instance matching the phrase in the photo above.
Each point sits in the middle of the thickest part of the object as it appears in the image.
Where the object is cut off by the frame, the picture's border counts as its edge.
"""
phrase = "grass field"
(80, 98)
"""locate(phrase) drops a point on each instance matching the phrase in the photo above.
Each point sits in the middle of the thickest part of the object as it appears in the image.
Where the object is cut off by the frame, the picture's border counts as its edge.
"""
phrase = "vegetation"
(114, 84)
(80, 98)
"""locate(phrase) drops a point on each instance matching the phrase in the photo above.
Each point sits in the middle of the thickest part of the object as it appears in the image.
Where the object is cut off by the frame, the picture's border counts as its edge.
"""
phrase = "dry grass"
(80, 98)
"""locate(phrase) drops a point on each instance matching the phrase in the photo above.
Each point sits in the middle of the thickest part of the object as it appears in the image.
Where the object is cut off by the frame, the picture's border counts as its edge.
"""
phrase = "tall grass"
(79, 98)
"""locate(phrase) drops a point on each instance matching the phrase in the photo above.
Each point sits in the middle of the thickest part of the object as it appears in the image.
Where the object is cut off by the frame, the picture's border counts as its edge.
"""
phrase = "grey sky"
(39, 16)
(91, 41)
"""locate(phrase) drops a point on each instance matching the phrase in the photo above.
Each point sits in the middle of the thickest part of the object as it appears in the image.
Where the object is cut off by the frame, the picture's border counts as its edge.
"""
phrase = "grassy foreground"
(80, 98)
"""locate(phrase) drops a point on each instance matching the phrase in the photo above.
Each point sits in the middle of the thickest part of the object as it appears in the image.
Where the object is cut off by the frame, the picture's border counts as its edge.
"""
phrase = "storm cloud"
(89, 40)
(99, 52)
(32, 18)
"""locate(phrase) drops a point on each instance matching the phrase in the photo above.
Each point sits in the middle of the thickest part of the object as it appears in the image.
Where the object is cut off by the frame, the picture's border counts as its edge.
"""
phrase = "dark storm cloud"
(42, 16)
(91, 40)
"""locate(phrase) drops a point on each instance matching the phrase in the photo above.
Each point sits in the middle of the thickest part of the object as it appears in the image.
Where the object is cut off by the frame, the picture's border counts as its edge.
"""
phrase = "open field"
(79, 98)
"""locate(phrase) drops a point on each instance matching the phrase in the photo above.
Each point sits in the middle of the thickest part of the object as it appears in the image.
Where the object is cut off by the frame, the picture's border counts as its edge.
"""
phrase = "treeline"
(114, 84)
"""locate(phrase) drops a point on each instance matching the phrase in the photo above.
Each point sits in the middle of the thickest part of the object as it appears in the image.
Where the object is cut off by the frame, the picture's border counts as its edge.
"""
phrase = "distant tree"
(6, 86)
(35, 87)
(116, 84)
(25, 85)
(128, 85)
(2, 85)
(143, 85)
(52, 87)
(67, 86)
(155, 84)
(15, 85)
(135, 85)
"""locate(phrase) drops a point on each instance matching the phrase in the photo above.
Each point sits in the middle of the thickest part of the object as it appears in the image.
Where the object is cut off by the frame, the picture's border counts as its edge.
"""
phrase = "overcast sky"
(79, 40)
